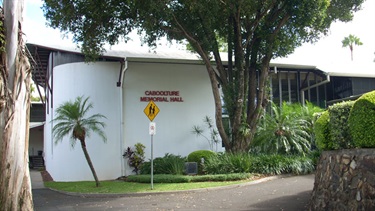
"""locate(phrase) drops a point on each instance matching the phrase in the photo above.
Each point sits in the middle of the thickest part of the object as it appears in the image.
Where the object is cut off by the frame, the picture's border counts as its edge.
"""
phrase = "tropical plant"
(280, 132)
(71, 120)
(350, 41)
(307, 112)
(281, 164)
(135, 156)
(225, 163)
(213, 139)
(169, 164)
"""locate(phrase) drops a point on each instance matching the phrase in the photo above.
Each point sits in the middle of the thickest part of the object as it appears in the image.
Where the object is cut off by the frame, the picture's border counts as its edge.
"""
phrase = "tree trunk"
(15, 182)
(83, 144)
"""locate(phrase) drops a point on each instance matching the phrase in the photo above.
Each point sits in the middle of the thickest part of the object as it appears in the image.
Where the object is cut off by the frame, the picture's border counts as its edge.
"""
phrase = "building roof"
(350, 69)
(40, 55)
(159, 55)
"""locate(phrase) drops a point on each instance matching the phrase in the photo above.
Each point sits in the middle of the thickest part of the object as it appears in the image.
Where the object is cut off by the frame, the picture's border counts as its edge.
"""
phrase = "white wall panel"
(98, 81)
(175, 120)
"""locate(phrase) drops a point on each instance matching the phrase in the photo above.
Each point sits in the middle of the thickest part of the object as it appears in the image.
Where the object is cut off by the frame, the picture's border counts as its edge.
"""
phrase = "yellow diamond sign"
(151, 110)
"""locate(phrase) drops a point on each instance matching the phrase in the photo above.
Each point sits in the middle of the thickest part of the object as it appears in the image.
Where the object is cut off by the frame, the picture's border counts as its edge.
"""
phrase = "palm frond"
(70, 117)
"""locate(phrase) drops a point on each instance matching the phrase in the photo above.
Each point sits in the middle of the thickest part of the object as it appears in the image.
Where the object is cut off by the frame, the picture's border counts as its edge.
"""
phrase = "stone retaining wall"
(345, 180)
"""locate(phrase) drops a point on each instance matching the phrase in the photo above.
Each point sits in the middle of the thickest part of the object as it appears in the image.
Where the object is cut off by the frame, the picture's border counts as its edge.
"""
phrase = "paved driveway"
(290, 193)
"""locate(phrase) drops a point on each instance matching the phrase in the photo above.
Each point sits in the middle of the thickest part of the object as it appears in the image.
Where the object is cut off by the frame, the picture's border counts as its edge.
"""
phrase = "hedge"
(338, 125)
(167, 178)
(322, 134)
(362, 121)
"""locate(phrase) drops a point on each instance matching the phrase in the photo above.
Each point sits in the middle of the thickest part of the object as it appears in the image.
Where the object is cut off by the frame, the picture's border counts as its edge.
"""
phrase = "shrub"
(280, 164)
(262, 164)
(169, 164)
(197, 156)
(322, 134)
(362, 121)
(135, 156)
(226, 163)
(338, 125)
(315, 156)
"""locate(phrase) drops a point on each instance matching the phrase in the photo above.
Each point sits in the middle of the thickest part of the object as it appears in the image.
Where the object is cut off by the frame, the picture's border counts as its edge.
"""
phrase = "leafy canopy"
(95, 22)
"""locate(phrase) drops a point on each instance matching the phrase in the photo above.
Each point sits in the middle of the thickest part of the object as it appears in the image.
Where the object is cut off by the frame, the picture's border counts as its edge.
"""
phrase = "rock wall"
(345, 180)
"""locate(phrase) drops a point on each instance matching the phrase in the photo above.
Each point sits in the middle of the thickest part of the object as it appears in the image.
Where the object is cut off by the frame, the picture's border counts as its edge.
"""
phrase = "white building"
(120, 86)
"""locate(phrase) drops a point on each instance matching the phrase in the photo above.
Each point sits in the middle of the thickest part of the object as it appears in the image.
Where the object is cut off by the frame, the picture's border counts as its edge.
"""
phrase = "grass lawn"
(132, 187)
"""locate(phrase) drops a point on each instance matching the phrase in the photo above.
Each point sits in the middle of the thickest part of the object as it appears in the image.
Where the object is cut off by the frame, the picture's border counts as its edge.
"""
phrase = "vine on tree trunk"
(3, 72)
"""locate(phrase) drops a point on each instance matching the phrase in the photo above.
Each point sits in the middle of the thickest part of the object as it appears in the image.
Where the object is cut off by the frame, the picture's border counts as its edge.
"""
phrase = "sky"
(327, 50)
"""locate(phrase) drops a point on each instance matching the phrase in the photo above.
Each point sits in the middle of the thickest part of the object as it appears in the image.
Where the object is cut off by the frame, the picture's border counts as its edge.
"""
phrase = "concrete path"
(290, 193)
(36, 179)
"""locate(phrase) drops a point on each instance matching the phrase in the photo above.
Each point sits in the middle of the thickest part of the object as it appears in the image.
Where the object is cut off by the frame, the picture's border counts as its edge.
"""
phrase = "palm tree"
(350, 41)
(282, 132)
(71, 118)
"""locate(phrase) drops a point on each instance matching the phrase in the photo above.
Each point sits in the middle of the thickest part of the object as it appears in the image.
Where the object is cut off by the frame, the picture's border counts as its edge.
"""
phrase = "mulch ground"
(46, 176)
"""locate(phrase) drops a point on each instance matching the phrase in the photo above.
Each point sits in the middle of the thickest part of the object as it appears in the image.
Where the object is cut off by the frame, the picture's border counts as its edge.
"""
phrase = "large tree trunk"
(15, 183)
(88, 159)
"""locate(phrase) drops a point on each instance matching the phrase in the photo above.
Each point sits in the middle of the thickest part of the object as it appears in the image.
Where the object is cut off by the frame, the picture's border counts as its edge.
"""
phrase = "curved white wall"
(98, 81)
(173, 123)
(175, 120)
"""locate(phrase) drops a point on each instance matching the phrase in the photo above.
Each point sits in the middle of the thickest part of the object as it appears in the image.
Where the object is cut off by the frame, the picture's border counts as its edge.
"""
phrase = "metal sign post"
(152, 131)
(151, 111)
(152, 163)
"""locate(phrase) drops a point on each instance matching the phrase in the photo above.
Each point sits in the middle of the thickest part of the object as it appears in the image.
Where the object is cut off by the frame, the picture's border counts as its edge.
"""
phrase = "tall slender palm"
(350, 41)
(71, 119)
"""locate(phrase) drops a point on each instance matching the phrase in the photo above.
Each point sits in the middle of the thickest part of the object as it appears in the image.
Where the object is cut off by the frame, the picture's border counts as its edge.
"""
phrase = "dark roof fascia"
(52, 49)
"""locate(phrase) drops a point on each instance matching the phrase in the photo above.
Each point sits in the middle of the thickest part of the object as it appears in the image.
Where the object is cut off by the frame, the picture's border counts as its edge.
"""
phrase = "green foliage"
(135, 156)
(307, 112)
(322, 134)
(197, 156)
(362, 121)
(350, 41)
(315, 156)
(71, 119)
(224, 163)
(263, 164)
(169, 164)
(199, 131)
(338, 125)
(279, 164)
(167, 178)
(93, 23)
(283, 131)
(96, 22)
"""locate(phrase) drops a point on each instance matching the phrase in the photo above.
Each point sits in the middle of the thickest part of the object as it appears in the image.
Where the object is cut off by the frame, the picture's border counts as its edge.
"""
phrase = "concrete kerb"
(117, 195)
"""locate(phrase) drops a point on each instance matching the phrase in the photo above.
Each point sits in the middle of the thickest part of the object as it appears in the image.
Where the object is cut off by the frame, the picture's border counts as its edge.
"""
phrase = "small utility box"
(191, 168)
